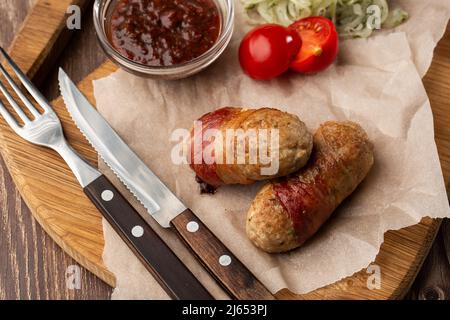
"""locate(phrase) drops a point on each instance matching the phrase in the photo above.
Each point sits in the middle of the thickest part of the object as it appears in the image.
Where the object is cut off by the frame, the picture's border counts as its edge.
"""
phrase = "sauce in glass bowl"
(164, 32)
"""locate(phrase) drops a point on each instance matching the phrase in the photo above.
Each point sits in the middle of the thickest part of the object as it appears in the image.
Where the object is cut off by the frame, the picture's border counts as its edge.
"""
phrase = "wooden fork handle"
(232, 274)
(157, 257)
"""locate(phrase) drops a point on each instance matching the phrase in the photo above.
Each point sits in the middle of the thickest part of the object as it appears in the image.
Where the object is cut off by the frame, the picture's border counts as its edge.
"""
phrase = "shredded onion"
(353, 18)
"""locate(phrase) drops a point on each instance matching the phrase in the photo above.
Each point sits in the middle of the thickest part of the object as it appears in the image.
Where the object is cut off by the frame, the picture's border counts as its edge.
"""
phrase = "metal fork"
(45, 130)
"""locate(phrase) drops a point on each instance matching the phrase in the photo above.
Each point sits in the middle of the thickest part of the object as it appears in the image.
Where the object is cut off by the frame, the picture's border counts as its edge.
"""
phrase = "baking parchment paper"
(376, 82)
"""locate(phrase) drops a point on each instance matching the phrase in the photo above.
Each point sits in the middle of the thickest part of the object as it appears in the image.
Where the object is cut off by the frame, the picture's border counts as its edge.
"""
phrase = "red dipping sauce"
(164, 32)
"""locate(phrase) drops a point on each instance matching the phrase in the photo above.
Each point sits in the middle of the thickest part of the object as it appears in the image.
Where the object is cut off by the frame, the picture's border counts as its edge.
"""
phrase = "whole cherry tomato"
(320, 44)
(267, 51)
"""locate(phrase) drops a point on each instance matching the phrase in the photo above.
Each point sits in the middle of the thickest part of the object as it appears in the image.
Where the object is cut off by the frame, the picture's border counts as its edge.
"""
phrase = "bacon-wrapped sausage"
(294, 145)
(288, 211)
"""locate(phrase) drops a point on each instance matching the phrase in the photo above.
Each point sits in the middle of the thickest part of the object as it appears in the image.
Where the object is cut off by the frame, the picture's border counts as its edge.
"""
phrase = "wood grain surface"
(32, 266)
(433, 281)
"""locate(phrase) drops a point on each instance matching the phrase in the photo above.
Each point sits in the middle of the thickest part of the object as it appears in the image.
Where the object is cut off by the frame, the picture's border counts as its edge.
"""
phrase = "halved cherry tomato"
(320, 44)
(267, 51)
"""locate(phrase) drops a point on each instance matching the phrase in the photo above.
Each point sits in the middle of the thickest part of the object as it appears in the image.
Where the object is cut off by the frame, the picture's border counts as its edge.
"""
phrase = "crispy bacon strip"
(287, 212)
(295, 145)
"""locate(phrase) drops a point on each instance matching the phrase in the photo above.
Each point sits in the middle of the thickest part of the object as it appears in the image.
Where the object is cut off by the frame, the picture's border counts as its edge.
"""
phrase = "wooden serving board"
(60, 206)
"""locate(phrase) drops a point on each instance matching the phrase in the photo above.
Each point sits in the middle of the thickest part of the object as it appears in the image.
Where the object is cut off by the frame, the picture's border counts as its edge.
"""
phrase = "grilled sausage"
(288, 211)
(294, 148)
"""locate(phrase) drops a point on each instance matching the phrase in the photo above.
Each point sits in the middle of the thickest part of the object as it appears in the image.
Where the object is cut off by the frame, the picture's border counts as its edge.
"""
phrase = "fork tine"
(22, 97)
(35, 93)
(13, 103)
(8, 117)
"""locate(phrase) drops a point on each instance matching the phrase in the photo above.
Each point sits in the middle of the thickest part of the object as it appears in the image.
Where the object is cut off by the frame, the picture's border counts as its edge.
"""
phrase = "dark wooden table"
(32, 266)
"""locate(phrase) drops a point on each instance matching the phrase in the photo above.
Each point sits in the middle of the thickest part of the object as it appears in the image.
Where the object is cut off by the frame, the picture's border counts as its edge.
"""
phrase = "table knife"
(44, 129)
(160, 202)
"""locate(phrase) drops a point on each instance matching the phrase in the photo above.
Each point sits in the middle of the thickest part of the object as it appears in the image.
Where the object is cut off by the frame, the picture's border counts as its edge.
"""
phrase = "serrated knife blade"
(159, 201)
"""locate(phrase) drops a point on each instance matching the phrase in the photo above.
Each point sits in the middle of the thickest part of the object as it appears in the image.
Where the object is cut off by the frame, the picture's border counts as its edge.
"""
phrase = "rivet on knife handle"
(160, 202)
(235, 278)
(157, 257)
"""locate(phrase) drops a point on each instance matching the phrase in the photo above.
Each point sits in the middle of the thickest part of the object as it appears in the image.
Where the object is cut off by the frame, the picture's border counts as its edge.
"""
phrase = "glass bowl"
(102, 14)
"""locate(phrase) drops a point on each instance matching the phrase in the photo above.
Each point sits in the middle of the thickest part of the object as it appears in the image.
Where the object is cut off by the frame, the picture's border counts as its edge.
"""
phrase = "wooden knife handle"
(232, 274)
(157, 257)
